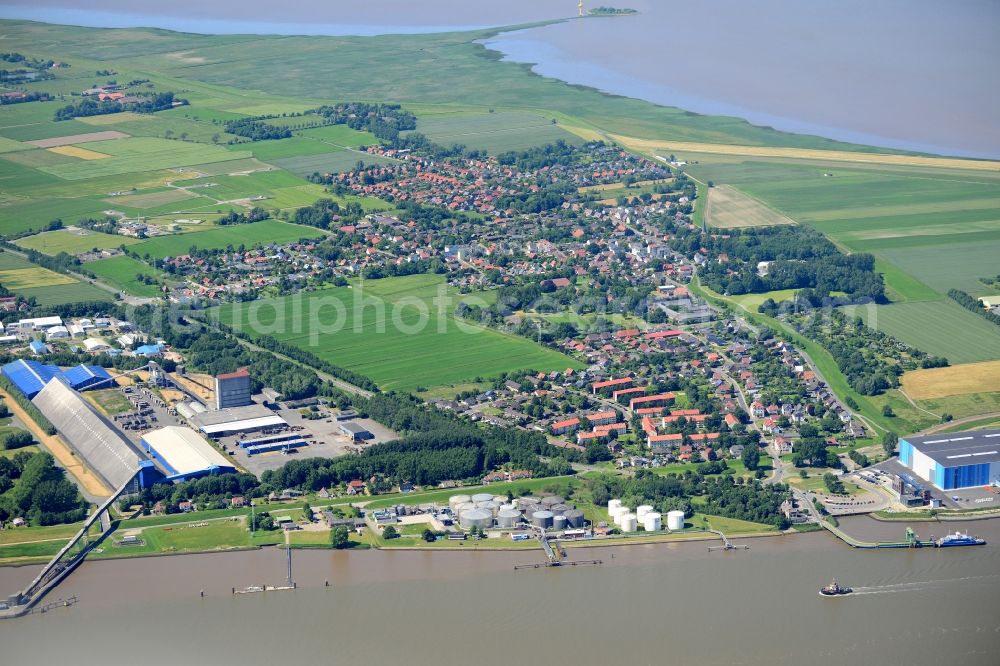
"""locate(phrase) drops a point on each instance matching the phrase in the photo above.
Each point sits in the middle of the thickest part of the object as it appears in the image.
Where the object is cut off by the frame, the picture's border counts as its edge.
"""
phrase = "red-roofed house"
(568, 425)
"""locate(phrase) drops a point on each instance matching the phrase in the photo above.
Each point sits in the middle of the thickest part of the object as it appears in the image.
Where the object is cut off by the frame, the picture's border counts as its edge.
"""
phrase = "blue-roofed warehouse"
(30, 377)
(83, 377)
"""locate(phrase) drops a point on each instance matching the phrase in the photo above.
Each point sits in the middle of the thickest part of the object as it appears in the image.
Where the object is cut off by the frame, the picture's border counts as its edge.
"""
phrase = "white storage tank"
(612, 505)
(476, 518)
(542, 519)
(490, 506)
(500, 499)
(482, 497)
(455, 500)
(629, 523)
(675, 520)
(641, 511)
(465, 506)
(652, 522)
(559, 522)
(619, 512)
(508, 518)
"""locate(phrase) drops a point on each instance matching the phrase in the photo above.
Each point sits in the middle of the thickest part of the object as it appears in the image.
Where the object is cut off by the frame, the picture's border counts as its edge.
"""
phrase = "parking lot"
(324, 437)
(962, 498)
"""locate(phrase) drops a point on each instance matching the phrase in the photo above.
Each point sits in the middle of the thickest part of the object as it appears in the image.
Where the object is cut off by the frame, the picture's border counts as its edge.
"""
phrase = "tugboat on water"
(959, 539)
(834, 590)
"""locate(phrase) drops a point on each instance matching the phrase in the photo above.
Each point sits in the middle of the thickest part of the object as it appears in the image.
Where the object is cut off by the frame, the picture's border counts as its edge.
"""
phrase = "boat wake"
(916, 585)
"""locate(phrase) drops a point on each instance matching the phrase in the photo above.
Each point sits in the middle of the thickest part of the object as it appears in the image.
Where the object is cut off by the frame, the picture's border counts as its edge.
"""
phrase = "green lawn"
(121, 272)
(257, 233)
(112, 401)
(73, 242)
(393, 331)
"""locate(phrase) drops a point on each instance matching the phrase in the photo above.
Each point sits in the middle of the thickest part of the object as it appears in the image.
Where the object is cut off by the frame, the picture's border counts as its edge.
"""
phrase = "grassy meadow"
(121, 272)
(217, 238)
(415, 343)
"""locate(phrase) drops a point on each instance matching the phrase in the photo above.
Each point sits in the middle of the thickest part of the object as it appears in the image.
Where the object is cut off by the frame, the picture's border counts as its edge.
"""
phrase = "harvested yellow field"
(584, 133)
(76, 151)
(29, 278)
(654, 145)
(728, 208)
(955, 380)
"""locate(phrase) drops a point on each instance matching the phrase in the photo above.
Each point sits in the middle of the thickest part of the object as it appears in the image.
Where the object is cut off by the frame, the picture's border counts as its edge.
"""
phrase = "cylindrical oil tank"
(491, 506)
(652, 522)
(508, 518)
(619, 512)
(482, 497)
(509, 506)
(675, 520)
(629, 523)
(465, 506)
(476, 518)
(559, 522)
(500, 499)
(574, 518)
(559, 509)
(455, 500)
(552, 500)
(613, 504)
(641, 511)
(542, 519)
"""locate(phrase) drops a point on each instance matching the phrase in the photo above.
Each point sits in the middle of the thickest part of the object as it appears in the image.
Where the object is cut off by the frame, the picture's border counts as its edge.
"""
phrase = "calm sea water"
(664, 604)
(915, 74)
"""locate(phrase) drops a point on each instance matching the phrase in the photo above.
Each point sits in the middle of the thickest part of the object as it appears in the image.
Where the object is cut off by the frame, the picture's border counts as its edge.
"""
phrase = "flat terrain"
(955, 380)
(392, 331)
(73, 139)
(248, 235)
(728, 208)
(940, 327)
(121, 272)
(47, 287)
(73, 241)
(493, 132)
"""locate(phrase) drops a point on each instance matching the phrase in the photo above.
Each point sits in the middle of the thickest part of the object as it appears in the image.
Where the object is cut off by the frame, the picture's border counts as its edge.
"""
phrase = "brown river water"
(646, 604)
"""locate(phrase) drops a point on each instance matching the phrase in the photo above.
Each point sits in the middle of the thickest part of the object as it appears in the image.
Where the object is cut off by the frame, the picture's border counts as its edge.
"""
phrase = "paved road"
(966, 419)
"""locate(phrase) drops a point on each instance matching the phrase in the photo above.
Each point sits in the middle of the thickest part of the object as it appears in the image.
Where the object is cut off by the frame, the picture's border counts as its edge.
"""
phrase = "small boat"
(959, 539)
(834, 590)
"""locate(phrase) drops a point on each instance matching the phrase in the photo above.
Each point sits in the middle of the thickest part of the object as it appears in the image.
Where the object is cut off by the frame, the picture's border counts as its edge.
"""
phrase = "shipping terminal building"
(955, 460)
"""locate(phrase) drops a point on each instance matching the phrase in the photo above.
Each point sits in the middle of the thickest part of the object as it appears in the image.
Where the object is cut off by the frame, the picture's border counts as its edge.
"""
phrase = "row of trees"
(970, 303)
(255, 130)
(92, 107)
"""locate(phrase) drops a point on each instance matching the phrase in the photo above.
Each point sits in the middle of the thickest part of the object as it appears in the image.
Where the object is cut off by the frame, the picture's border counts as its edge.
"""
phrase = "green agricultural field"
(339, 135)
(329, 162)
(392, 331)
(493, 132)
(258, 233)
(78, 292)
(938, 327)
(275, 149)
(950, 266)
(73, 242)
(22, 214)
(142, 154)
(121, 272)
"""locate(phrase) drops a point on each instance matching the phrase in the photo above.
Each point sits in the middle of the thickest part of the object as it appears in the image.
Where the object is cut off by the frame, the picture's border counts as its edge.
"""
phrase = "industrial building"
(355, 431)
(92, 438)
(232, 420)
(958, 460)
(184, 454)
(232, 389)
(30, 377)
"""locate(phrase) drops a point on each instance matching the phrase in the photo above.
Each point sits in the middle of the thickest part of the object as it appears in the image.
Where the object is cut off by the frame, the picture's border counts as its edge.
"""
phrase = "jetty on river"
(912, 539)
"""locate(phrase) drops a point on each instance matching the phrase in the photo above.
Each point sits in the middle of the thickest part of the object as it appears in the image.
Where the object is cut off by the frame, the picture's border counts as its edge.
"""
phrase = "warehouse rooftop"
(965, 448)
